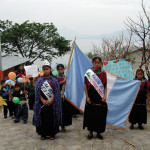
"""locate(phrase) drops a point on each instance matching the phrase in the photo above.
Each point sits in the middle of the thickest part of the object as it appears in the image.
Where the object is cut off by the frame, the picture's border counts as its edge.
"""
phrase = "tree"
(32, 40)
(141, 29)
(112, 48)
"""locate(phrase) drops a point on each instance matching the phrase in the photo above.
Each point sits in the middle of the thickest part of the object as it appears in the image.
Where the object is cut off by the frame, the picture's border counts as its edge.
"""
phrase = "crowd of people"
(52, 110)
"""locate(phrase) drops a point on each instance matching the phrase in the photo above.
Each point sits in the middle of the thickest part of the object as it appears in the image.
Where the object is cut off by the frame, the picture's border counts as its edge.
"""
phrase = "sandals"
(90, 136)
(131, 126)
(43, 138)
(52, 138)
(99, 136)
(141, 127)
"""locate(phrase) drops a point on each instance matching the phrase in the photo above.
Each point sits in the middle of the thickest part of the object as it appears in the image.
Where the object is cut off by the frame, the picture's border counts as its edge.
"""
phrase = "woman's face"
(21, 67)
(60, 70)
(96, 64)
(46, 71)
(140, 75)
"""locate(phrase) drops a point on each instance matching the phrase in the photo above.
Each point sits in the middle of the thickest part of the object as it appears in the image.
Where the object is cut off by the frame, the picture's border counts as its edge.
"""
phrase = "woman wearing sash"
(96, 106)
(48, 106)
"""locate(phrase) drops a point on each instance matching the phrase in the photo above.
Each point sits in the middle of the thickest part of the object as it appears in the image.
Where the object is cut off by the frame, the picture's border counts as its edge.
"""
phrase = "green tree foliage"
(32, 40)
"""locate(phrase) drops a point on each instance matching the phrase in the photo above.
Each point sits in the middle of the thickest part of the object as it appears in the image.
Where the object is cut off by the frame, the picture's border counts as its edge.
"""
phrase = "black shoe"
(99, 136)
(89, 136)
(131, 127)
(25, 122)
(15, 121)
(63, 130)
(5, 117)
(141, 127)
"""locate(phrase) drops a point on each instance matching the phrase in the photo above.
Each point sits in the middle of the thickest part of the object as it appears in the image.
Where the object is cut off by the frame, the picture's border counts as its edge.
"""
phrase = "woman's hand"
(147, 101)
(50, 102)
(104, 99)
(63, 82)
(88, 100)
(45, 102)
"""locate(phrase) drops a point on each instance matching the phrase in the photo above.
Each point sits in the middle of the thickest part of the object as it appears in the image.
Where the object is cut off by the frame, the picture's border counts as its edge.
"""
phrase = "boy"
(4, 95)
(22, 110)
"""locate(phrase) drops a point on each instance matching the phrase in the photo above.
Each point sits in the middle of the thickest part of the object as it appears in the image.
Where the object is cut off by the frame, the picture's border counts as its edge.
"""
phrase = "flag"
(2, 101)
(121, 93)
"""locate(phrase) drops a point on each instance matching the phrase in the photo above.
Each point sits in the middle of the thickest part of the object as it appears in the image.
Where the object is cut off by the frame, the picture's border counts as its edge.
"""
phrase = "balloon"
(14, 78)
(10, 82)
(11, 75)
(41, 74)
(16, 100)
(19, 80)
(24, 80)
(55, 73)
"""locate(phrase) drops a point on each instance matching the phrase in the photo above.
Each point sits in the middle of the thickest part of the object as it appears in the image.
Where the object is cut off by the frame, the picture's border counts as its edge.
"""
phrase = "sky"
(88, 17)
(74, 17)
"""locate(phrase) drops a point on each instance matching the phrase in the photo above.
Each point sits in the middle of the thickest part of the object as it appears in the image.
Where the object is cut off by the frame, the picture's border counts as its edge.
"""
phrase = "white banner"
(31, 71)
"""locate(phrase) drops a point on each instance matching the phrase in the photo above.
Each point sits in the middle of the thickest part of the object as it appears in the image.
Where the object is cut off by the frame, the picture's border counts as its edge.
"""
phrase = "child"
(5, 95)
(67, 107)
(16, 93)
(139, 111)
(48, 106)
(96, 106)
(22, 110)
(20, 72)
(31, 93)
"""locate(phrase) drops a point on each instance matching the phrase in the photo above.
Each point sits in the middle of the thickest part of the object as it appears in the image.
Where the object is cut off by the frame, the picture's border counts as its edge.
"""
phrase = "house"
(136, 57)
(10, 64)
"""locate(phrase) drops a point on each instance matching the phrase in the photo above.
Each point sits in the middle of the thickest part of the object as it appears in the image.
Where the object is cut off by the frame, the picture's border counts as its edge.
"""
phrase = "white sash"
(95, 81)
(47, 90)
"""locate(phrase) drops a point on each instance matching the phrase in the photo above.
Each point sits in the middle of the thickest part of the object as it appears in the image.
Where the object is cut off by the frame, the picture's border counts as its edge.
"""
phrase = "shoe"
(99, 136)
(141, 127)
(12, 117)
(43, 138)
(90, 136)
(131, 127)
(5, 117)
(25, 122)
(63, 130)
(52, 138)
(15, 121)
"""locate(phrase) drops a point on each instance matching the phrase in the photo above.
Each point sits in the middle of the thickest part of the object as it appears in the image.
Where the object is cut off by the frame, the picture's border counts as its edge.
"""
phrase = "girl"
(20, 72)
(139, 112)
(48, 107)
(96, 106)
(67, 107)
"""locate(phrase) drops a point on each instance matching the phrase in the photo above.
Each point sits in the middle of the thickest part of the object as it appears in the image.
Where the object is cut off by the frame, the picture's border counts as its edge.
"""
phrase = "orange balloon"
(11, 75)
(24, 80)
(41, 74)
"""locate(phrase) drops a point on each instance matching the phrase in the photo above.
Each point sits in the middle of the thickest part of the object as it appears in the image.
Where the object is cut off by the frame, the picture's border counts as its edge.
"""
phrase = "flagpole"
(63, 88)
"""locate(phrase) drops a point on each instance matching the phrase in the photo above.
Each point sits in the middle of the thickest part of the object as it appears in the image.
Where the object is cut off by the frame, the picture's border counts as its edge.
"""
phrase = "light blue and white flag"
(121, 93)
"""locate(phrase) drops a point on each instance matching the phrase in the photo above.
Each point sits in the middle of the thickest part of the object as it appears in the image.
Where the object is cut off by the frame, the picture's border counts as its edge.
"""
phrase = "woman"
(48, 105)
(96, 106)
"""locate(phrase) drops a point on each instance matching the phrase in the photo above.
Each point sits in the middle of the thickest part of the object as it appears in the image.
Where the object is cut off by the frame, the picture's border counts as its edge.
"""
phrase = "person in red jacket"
(20, 72)
(139, 111)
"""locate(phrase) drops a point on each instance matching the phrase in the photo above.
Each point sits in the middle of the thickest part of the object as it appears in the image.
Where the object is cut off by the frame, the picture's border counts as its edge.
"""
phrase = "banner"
(121, 68)
(31, 71)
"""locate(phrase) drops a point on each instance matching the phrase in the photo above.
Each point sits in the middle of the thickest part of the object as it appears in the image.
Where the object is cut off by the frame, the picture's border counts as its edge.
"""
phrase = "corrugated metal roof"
(11, 61)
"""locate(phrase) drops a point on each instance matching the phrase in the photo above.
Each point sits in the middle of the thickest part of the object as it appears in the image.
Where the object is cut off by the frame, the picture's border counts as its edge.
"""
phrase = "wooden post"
(63, 88)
